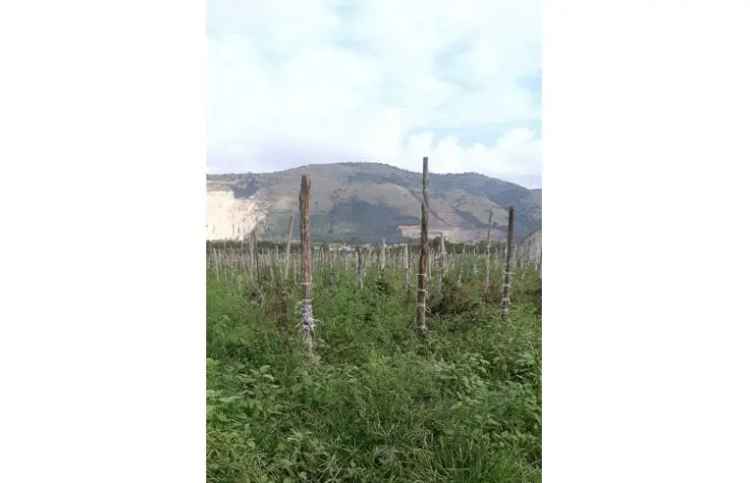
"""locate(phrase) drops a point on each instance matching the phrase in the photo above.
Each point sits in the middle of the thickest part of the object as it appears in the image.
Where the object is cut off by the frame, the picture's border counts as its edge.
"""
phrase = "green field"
(380, 404)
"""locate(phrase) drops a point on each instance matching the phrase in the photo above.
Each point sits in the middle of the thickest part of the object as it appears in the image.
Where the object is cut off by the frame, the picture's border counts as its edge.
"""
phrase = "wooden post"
(487, 265)
(254, 248)
(288, 247)
(505, 300)
(308, 322)
(271, 259)
(365, 260)
(381, 257)
(430, 259)
(406, 264)
(360, 269)
(422, 275)
(442, 262)
(334, 263)
(462, 259)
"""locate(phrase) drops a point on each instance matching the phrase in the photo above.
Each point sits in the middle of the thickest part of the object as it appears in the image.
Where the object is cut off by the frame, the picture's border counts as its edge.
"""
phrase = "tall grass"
(383, 404)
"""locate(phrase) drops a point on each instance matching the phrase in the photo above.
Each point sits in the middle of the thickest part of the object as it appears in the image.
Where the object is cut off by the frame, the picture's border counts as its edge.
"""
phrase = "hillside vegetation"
(370, 201)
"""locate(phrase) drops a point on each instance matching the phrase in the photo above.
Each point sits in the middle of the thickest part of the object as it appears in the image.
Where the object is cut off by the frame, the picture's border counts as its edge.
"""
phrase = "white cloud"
(293, 82)
(516, 155)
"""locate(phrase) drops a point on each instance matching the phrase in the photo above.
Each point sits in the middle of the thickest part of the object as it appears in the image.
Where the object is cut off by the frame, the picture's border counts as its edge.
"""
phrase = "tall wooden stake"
(461, 266)
(308, 322)
(288, 247)
(443, 259)
(360, 269)
(422, 275)
(487, 265)
(406, 264)
(365, 260)
(256, 261)
(505, 300)
(381, 257)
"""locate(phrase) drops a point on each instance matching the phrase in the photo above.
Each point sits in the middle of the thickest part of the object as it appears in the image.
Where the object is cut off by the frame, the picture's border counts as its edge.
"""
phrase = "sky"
(299, 82)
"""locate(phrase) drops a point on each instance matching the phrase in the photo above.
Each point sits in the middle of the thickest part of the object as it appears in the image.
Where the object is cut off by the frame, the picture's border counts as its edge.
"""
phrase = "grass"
(382, 404)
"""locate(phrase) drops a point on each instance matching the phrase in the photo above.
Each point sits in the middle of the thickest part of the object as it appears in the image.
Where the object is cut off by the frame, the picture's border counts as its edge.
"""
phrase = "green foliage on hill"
(369, 201)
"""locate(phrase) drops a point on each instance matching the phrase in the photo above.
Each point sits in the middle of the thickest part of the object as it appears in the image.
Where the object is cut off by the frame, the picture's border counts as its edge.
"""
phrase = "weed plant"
(383, 404)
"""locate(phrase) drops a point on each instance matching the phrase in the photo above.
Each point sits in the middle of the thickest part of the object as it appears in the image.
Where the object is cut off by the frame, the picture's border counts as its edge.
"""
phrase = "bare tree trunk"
(505, 300)
(487, 266)
(308, 322)
(422, 276)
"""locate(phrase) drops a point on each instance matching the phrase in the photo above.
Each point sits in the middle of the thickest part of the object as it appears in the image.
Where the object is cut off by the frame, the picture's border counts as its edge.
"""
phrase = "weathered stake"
(505, 300)
(443, 265)
(254, 248)
(487, 266)
(308, 322)
(422, 275)
(406, 264)
(288, 247)
(360, 269)
(381, 257)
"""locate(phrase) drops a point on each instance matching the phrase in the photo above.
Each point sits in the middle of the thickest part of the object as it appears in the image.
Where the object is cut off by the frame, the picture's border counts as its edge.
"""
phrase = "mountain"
(367, 202)
(537, 194)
